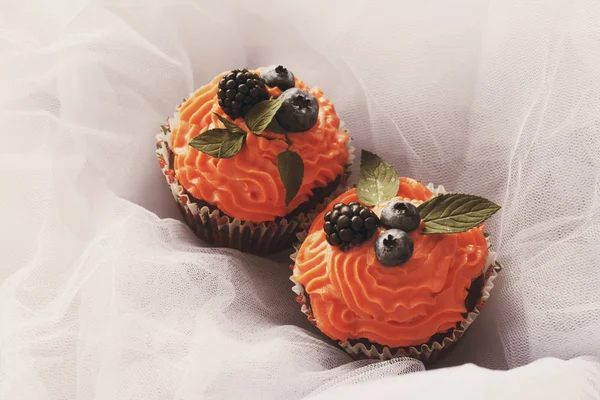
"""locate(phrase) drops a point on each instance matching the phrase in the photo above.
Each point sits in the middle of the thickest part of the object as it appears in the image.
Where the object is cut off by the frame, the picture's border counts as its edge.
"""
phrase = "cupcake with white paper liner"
(251, 156)
(395, 268)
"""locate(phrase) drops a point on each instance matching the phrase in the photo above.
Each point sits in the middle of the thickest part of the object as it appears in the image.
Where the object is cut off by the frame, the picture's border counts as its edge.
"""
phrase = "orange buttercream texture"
(247, 186)
(353, 296)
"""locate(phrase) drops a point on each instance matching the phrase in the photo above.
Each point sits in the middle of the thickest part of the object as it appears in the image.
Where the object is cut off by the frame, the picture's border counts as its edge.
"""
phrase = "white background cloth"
(104, 296)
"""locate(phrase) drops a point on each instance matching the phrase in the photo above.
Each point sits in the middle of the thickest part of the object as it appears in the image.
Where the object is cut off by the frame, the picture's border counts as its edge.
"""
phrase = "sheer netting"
(105, 294)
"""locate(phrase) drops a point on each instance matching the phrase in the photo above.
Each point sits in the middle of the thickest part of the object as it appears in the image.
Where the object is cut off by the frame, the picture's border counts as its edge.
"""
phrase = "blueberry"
(393, 247)
(299, 111)
(400, 215)
(277, 75)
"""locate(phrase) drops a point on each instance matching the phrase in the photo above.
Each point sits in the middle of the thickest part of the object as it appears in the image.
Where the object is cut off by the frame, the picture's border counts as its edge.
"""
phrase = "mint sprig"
(291, 172)
(275, 127)
(219, 143)
(377, 182)
(289, 163)
(229, 125)
(262, 114)
(455, 213)
(227, 142)
(447, 213)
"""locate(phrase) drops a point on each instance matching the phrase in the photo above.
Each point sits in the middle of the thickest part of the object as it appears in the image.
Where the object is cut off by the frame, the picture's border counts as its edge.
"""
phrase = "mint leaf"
(165, 129)
(291, 172)
(229, 125)
(455, 213)
(275, 127)
(219, 143)
(377, 182)
(261, 115)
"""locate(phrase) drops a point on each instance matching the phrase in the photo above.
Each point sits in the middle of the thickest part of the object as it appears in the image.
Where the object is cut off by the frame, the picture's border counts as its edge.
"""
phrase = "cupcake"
(251, 156)
(395, 268)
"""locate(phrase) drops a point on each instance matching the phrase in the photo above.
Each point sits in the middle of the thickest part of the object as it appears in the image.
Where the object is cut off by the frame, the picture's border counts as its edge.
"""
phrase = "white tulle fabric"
(105, 294)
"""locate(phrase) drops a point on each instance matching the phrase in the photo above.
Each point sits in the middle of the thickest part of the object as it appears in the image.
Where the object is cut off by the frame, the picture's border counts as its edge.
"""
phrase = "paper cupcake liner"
(426, 353)
(220, 230)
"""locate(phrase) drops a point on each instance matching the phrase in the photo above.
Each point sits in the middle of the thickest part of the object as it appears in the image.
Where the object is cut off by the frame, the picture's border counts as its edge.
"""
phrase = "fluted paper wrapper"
(220, 230)
(426, 353)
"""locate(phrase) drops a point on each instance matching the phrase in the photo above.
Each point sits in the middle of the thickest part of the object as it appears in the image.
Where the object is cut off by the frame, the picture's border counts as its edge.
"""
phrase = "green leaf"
(219, 143)
(455, 213)
(275, 127)
(229, 125)
(377, 182)
(261, 115)
(291, 172)
(165, 129)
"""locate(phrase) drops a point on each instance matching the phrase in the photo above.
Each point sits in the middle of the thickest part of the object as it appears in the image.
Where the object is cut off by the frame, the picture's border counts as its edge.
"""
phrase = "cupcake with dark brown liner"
(250, 156)
(395, 268)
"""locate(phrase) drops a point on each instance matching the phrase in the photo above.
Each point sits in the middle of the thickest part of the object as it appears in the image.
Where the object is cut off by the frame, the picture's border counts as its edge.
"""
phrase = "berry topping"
(239, 90)
(393, 247)
(277, 75)
(349, 224)
(299, 111)
(400, 215)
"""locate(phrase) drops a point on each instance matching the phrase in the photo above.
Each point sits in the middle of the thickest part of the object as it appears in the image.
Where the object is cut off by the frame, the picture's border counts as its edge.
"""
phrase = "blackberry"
(239, 90)
(349, 224)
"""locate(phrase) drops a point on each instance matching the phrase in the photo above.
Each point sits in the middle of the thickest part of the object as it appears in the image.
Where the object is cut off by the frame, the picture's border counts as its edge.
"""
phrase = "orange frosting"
(247, 186)
(353, 296)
